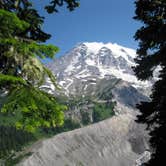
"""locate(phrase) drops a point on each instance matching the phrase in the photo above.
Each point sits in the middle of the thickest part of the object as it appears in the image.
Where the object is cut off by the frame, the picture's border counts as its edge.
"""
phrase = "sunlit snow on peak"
(118, 50)
(96, 59)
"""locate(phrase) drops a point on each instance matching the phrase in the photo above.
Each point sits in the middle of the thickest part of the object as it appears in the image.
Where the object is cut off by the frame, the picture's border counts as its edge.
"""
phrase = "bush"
(102, 111)
(85, 118)
(69, 124)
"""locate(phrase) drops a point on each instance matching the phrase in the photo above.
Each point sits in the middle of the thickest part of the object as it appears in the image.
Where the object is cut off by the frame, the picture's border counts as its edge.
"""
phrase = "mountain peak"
(94, 47)
(95, 61)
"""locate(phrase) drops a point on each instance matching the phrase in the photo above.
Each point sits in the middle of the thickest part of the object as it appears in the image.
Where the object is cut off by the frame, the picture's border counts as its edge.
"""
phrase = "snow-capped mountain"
(96, 74)
(88, 63)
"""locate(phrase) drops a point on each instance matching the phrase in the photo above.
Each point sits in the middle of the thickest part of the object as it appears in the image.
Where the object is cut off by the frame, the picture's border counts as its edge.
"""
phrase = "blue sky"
(94, 21)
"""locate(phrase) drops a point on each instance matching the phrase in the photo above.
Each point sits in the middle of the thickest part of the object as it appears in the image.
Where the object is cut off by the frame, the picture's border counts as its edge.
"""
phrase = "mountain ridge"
(96, 61)
(95, 78)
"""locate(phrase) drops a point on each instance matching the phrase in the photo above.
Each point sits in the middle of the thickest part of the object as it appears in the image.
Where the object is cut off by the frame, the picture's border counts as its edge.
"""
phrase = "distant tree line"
(12, 140)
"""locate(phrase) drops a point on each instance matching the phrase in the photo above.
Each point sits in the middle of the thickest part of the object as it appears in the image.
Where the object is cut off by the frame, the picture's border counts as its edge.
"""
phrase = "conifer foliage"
(152, 53)
(21, 72)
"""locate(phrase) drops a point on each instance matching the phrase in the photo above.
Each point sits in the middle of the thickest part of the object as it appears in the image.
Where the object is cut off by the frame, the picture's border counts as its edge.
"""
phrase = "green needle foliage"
(37, 108)
(21, 72)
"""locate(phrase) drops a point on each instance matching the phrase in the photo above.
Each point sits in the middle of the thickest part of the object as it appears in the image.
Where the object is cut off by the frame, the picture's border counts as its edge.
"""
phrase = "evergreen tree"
(21, 72)
(151, 54)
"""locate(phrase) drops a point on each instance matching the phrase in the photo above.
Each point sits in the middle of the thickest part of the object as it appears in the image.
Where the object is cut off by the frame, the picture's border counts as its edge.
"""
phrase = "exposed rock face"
(104, 73)
(94, 62)
(127, 97)
(118, 141)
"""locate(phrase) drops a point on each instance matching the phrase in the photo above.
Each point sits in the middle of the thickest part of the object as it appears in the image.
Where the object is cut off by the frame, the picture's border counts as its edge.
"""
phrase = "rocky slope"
(101, 72)
(114, 142)
(88, 63)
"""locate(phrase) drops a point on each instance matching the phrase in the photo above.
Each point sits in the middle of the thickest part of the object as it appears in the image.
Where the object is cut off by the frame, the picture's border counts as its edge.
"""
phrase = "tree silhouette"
(151, 54)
